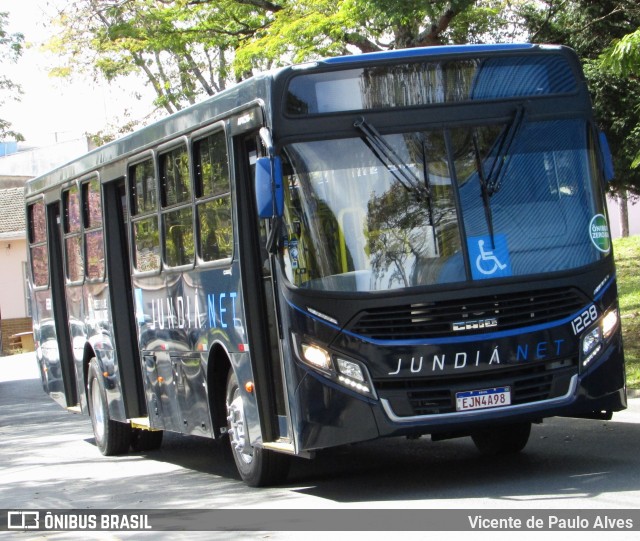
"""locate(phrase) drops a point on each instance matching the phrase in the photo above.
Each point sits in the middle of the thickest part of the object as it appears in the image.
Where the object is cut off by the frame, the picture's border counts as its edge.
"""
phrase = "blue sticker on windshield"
(489, 260)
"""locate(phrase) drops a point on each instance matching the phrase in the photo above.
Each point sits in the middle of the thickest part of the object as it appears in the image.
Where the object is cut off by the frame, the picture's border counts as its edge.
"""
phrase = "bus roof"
(438, 50)
(255, 89)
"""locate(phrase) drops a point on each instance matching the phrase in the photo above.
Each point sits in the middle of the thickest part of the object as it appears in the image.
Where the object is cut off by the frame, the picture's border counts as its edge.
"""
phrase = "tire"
(145, 440)
(502, 440)
(112, 437)
(257, 467)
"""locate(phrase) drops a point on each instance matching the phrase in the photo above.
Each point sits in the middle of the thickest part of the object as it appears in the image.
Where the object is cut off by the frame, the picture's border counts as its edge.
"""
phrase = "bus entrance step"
(280, 446)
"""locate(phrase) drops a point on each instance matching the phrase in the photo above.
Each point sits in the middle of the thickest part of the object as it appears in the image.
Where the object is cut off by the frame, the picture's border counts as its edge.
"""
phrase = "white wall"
(614, 217)
(13, 252)
(36, 161)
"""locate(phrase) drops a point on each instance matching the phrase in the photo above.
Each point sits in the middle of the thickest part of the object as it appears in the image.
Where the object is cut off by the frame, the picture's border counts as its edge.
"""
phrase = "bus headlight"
(354, 376)
(593, 340)
(316, 356)
(609, 323)
(350, 369)
(346, 372)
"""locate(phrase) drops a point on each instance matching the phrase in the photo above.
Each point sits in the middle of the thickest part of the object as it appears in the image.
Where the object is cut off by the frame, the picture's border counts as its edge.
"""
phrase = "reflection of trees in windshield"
(359, 224)
(405, 226)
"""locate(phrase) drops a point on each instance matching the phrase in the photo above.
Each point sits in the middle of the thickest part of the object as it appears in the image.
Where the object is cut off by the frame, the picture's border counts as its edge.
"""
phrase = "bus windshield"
(356, 221)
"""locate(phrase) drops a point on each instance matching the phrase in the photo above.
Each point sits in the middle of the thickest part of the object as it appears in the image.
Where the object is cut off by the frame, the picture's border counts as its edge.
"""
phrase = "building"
(17, 165)
(14, 305)
(633, 211)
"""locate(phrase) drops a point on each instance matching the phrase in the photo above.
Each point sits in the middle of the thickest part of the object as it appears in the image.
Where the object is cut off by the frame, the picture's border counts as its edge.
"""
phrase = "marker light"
(316, 356)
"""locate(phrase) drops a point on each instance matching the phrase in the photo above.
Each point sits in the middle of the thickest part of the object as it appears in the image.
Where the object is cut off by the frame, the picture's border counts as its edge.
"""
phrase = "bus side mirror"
(607, 159)
(269, 187)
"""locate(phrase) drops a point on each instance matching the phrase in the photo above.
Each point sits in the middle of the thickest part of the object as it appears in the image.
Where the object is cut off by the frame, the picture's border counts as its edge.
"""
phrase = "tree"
(10, 49)
(623, 58)
(589, 27)
(189, 48)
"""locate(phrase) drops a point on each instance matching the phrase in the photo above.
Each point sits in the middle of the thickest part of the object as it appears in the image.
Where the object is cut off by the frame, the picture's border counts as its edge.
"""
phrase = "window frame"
(89, 228)
(199, 199)
(168, 209)
(135, 216)
(38, 243)
(71, 234)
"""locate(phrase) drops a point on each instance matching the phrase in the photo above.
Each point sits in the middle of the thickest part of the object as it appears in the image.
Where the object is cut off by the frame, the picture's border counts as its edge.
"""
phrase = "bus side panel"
(180, 319)
(78, 334)
(99, 335)
(47, 353)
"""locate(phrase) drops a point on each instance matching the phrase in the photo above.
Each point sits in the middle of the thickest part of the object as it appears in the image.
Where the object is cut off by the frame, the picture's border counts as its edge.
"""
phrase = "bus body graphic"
(405, 243)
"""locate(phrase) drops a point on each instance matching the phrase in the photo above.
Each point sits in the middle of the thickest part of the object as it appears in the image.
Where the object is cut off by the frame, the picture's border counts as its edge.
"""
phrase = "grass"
(627, 253)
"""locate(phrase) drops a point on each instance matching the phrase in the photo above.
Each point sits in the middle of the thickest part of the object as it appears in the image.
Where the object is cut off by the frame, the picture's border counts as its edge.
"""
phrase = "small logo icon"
(489, 257)
(23, 520)
(599, 233)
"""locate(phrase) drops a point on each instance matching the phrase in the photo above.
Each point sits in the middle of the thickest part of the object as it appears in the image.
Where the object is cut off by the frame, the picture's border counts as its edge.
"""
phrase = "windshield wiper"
(484, 189)
(394, 164)
(490, 184)
(502, 154)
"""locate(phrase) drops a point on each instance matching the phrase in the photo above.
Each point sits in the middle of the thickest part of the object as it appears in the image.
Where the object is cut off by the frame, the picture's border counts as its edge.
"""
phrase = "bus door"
(123, 323)
(59, 309)
(260, 304)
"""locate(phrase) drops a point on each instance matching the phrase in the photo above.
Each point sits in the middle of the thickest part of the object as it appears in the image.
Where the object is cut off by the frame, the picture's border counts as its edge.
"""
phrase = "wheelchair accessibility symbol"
(489, 261)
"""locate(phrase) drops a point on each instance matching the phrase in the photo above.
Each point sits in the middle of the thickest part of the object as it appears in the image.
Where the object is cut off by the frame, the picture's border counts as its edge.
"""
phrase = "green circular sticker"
(599, 232)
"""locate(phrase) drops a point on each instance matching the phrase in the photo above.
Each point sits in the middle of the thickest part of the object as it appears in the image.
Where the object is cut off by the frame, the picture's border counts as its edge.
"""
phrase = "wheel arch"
(89, 353)
(218, 367)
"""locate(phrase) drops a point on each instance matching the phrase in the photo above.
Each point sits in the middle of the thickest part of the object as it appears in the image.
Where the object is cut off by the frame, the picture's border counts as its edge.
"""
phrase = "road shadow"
(565, 459)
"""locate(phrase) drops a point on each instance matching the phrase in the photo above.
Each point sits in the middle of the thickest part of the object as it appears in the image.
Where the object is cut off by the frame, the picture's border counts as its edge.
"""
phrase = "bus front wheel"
(112, 437)
(502, 440)
(257, 466)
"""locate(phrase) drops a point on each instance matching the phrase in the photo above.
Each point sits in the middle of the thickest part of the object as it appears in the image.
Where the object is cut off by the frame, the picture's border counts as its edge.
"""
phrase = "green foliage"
(189, 48)
(10, 50)
(627, 253)
(623, 56)
(589, 27)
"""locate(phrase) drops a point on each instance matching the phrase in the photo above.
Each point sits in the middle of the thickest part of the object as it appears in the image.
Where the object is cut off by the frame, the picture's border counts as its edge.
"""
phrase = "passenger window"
(147, 244)
(174, 174)
(72, 227)
(177, 219)
(38, 244)
(143, 186)
(178, 236)
(213, 193)
(93, 238)
(146, 232)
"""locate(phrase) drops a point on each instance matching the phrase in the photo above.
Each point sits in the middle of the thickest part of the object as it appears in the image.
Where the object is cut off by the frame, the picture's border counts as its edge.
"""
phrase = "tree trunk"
(624, 215)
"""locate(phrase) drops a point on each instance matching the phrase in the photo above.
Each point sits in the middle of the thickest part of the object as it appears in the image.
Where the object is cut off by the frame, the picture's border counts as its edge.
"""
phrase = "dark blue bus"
(392, 244)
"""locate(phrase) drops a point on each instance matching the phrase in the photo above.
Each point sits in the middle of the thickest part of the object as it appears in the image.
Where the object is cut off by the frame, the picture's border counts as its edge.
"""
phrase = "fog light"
(591, 340)
(609, 323)
(350, 369)
(316, 356)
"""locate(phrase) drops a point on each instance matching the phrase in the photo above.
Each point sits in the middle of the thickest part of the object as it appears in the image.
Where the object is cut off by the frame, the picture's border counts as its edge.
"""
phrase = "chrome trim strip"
(573, 385)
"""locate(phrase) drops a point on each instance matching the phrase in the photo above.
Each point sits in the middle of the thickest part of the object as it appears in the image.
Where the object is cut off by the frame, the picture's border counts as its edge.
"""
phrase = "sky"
(51, 109)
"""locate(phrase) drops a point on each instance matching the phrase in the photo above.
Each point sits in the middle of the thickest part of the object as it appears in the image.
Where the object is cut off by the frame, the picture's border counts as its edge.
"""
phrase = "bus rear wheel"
(257, 467)
(112, 437)
(502, 440)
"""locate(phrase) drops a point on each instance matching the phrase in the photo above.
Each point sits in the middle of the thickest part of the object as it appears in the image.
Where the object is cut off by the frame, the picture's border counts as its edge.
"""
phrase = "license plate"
(485, 398)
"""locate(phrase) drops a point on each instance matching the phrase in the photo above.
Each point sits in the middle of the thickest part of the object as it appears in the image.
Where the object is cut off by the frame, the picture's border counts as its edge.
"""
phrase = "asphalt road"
(48, 460)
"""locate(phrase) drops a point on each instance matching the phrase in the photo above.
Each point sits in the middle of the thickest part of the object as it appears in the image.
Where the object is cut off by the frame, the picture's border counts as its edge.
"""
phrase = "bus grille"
(533, 383)
(470, 316)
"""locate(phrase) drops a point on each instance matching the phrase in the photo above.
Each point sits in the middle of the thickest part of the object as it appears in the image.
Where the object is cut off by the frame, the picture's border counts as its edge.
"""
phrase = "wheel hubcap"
(96, 411)
(236, 428)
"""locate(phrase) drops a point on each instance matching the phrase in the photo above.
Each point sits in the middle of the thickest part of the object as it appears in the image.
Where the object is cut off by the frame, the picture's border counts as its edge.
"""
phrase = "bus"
(396, 244)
